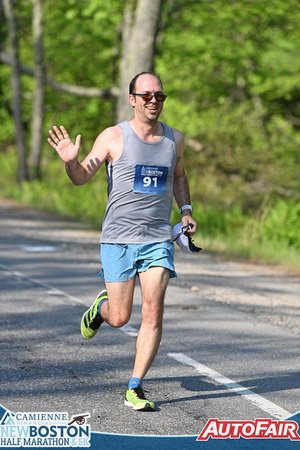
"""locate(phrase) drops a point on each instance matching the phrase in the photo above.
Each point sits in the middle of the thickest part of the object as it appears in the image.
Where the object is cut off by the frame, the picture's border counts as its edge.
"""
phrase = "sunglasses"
(149, 97)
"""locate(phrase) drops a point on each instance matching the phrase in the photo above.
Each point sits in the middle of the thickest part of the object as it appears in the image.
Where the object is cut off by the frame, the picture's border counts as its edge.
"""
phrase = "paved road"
(230, 347)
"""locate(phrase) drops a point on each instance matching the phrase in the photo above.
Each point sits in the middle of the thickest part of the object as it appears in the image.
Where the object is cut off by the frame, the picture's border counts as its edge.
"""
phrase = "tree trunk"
(140, 26)
(1, 16)
(16, 91)
(38, 99)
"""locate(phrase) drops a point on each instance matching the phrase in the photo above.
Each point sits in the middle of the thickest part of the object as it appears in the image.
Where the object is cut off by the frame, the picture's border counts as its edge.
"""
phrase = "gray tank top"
(140, 190)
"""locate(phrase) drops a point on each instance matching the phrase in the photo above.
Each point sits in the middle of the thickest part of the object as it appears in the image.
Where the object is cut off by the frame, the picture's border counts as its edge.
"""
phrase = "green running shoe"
(135, 398)
(91, 319)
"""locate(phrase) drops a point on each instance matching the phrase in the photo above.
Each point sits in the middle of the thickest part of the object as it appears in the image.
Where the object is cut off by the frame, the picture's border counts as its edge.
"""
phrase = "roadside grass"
(242, 239)
(270, 235)
(253, 251)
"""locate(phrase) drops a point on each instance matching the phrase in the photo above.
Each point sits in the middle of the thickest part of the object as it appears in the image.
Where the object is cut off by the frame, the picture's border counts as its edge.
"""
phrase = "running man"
(144, 168)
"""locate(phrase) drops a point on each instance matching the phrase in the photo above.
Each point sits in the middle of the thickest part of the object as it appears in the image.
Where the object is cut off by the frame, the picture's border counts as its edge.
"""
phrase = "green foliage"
(282, 224)
(56, 193)
(81, 47)
(231, 72)
(271, 235)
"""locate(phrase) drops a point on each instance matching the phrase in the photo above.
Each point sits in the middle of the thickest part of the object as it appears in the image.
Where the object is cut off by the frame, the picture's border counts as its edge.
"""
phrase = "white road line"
(131, 331)
(51, 289)
(128, 329)
(38, 248)
(259, 401)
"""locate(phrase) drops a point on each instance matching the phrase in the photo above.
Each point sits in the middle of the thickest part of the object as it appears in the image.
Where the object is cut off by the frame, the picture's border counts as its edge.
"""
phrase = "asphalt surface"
(240, 321)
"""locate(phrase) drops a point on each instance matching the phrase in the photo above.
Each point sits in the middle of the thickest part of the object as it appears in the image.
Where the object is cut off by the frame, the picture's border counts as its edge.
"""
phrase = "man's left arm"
(181, 186)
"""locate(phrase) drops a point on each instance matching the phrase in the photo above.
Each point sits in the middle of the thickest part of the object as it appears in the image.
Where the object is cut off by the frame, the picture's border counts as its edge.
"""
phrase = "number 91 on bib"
(150, 179)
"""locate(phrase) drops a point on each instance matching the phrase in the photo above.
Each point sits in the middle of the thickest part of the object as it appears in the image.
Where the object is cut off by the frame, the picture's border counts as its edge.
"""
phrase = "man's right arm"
(81, 172)
(76, 172)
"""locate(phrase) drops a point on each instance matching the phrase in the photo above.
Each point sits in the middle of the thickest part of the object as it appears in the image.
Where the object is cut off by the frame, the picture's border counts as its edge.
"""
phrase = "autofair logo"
(52, 429)
(258, 429)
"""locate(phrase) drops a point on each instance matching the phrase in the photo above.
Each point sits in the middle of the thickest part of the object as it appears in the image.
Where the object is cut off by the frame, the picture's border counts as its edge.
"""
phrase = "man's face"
(149, 111)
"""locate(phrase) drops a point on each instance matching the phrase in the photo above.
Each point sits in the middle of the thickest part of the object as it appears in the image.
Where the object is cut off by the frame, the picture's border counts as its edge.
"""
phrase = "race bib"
(150, 179)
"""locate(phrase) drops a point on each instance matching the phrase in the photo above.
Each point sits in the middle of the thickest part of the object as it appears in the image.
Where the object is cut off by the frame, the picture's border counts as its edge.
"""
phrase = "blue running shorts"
(121, 262)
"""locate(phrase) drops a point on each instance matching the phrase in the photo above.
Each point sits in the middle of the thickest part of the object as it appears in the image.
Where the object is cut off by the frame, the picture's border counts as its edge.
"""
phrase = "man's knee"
(118, 320)
(152, 312)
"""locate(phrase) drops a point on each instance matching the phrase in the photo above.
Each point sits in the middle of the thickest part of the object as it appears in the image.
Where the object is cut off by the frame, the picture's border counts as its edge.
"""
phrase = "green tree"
(85, 27)
(232, 70)
(16, 90)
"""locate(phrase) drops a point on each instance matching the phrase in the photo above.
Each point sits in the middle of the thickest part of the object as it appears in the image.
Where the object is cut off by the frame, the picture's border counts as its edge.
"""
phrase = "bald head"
(132, 85)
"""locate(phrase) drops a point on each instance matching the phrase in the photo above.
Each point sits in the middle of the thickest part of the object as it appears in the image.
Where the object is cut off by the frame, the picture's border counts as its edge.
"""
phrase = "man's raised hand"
(60, 140)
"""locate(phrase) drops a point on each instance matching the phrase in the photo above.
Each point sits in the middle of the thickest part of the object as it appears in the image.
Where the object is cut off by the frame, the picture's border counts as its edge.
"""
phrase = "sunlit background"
(231, 73)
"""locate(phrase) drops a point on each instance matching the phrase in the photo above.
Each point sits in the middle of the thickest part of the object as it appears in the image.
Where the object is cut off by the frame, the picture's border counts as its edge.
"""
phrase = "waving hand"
(62, 143)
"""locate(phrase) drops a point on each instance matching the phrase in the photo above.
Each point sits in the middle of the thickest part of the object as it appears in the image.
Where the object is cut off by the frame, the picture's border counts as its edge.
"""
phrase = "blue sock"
(99, 306)
(135, 382)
